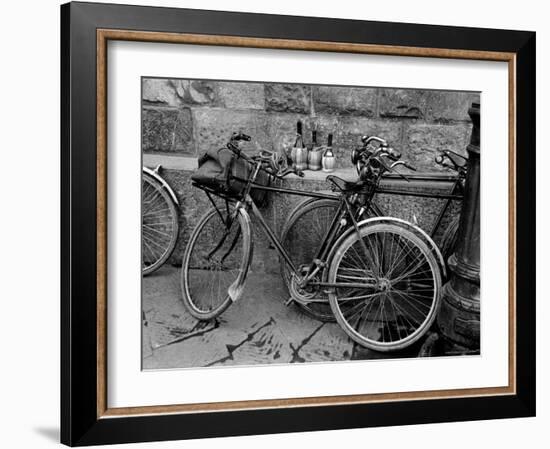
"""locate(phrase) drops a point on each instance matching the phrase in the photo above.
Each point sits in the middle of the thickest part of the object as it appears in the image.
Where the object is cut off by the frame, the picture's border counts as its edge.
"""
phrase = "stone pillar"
(458, 318)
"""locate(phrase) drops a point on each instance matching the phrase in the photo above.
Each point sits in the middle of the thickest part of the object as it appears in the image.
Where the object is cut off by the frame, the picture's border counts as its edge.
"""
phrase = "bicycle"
(382, 279)
(159, 220)
(315, 212)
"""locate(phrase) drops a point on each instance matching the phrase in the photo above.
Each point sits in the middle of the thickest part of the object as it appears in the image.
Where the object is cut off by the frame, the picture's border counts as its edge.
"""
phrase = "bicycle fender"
(419, 231)
(235, 290)
(154, 174)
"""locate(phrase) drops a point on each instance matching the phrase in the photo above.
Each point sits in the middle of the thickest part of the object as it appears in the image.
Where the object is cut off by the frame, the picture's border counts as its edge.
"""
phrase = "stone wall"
(189, 116)
(185, 117)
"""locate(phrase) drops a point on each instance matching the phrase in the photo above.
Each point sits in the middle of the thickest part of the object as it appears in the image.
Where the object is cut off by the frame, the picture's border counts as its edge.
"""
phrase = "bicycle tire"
(301, 254)
(417, 311)
(159, 222)
(201, 272)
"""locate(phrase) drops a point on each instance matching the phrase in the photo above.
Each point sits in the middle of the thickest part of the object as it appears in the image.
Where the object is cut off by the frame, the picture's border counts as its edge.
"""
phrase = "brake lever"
(464, 158)
(395, 164)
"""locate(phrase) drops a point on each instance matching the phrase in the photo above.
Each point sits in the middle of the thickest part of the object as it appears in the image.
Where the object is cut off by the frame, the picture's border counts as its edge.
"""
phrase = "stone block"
(422, 142)
(176, 92)
(448, 107)
(344, 100)
(167, 129)
(160, 92)
(295, 98)
(347, 133)
(242, 95)
(430, 105)
(403, 103)
(213, 128)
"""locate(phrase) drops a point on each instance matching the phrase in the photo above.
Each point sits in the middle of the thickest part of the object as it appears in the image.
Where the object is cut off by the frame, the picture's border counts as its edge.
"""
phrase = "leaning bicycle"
(314, 213)
(380, 279)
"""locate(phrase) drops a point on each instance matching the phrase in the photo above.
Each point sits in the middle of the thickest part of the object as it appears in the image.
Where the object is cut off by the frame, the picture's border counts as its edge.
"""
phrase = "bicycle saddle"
(343, 185)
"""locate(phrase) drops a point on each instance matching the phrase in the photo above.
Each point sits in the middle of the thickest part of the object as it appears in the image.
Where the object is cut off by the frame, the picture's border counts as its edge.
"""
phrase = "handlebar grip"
(299, 172)
(394, 153)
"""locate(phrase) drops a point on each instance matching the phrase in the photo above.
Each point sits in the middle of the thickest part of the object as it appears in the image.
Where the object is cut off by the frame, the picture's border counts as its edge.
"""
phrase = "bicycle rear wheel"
(396, 286)
(159, 224)
(301, 236)
(215, 264)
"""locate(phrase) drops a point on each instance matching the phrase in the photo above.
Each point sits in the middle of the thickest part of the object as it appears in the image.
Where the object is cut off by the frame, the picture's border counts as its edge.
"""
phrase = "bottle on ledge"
(329, 160)
(315, 154)
(299, 151)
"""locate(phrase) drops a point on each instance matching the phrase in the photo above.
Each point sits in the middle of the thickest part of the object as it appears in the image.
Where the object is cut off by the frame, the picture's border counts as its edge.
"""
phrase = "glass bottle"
(315, 155)
(329, 160)
(299, 151)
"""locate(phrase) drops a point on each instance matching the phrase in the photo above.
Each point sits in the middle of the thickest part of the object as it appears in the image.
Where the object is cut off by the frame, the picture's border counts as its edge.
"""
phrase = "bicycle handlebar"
(240, 136)
(381, 157)
(446, 156)
(276, 166)
(368, 139)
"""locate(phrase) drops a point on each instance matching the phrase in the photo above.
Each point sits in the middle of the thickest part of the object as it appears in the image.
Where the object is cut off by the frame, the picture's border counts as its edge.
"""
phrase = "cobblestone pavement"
(257, 329)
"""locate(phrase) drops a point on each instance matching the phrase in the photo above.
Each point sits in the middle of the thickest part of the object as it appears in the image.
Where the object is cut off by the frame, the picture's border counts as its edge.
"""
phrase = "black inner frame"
(79, 422)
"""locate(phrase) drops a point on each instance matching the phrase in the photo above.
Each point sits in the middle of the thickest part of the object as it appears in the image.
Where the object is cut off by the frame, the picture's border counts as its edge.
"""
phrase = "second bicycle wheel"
(301, 236)
(159, 224)
(215, 263)
(394, 286)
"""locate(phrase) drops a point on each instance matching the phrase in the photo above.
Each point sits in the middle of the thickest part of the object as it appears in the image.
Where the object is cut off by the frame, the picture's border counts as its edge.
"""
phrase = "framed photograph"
(283, 224)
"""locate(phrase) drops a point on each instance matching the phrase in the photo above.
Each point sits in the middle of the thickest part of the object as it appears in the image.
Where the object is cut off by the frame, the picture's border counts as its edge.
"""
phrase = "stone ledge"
(193, 203)
(185, 163)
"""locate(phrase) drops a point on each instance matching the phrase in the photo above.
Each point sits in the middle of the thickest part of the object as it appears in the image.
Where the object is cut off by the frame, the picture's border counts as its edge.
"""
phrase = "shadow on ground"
(257, 329)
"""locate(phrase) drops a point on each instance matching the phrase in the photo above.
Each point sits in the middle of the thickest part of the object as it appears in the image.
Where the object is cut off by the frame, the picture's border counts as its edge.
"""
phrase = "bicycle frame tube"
(443, 196)
(290, 191)
(435, 227)
(271, 234)
(323, 250)
(454, 194)
(255, 211)
(328, 238)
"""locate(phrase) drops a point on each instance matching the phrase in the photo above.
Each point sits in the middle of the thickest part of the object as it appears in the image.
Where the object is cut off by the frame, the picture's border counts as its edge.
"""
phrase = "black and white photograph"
(275, 224)
(292, 223)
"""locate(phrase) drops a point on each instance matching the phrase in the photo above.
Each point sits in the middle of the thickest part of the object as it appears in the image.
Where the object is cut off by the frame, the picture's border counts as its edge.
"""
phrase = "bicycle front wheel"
(159, 225)
(394, 287)
(215, 263)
